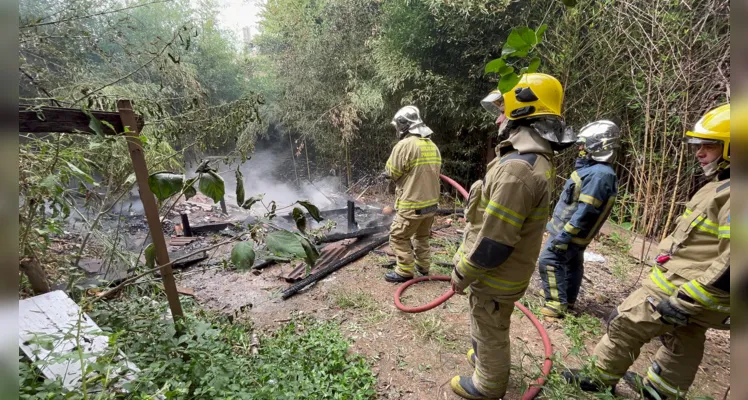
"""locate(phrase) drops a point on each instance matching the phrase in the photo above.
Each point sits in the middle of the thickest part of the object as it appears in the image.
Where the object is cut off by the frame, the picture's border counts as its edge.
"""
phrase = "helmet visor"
(493, 103)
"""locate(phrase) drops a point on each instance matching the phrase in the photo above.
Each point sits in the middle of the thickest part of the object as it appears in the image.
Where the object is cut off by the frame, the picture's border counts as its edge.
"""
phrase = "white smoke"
(261, 176)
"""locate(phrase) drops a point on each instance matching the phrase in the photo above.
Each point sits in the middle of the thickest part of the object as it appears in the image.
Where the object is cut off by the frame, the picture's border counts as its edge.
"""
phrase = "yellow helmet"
(535, 94)
(713, 127)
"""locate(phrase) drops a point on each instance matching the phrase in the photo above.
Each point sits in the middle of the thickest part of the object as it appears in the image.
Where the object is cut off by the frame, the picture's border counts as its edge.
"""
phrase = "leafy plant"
(521, 42)
(211, 357)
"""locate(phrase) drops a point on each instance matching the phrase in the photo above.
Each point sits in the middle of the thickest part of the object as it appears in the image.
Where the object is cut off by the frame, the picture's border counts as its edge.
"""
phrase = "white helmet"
(408, 120)
(600, 140)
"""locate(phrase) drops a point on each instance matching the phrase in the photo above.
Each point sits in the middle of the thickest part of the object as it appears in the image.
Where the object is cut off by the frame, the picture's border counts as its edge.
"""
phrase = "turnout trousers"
(635, 323)
(409, 240)
(489, 329)
(561, 275)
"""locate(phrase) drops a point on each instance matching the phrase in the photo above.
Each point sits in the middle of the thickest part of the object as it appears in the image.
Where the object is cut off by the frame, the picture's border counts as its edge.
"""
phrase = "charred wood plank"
(322, 273)
(348, 235)
(33, 119)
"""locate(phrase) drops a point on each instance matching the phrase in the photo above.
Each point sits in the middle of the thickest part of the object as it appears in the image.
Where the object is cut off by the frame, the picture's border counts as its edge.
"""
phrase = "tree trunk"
(35, 273)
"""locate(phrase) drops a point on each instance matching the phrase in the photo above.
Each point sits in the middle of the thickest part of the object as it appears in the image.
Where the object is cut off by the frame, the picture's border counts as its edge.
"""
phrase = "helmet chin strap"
(715, 167)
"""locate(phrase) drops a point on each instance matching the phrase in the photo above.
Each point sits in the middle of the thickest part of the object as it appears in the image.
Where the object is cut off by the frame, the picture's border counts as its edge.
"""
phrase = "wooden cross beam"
(33, 119)
(69, 120)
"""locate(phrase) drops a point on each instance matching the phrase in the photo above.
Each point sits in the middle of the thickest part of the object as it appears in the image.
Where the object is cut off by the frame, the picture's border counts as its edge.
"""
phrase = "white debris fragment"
(590, 256)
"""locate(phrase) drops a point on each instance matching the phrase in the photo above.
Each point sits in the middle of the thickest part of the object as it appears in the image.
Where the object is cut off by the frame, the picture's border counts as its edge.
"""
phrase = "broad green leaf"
(528, 35)
(541, 31)
(243, 256)
(165, 184)
(534, 64)
(299, 218)
(239, 187)
(150, 256)
(310, 250)
(251, 201)
(110, 126)
(569, 3)
(79, 173)
(506, 70)
(95, 125)
(284, 243)
(494, 65)
(212, 185)
(189, 188)
(508, 82)
(312, 209)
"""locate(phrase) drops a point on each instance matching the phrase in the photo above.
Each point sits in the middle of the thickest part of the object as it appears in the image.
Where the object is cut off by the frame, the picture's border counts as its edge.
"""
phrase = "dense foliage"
(341, 68)
(211, 357)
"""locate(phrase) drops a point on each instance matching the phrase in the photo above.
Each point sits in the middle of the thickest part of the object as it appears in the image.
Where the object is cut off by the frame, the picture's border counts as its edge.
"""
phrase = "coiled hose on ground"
(533, 390)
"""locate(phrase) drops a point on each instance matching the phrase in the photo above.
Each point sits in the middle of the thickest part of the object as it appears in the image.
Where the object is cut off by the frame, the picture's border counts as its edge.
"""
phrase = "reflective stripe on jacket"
(697, 274)
(586, 202)
(506, 215)
(414, 165)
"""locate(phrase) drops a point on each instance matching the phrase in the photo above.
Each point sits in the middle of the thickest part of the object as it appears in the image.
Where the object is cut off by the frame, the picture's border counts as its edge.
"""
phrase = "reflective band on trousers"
(698, 293)
(661, 384)
(659, 279)
(606, 376)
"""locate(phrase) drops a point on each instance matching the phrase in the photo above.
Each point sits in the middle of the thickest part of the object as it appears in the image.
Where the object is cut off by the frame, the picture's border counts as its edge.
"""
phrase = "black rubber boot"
(394, 277)
(463, 387)
(575, 376)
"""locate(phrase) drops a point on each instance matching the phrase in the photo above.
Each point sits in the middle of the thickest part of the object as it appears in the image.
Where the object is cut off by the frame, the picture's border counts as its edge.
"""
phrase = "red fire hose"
(547, 363)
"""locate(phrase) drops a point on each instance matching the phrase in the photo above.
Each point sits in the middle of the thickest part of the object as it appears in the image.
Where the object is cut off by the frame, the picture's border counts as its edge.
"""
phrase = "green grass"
(210, 358)
(430, 327)
(579, 329)
(362, 301)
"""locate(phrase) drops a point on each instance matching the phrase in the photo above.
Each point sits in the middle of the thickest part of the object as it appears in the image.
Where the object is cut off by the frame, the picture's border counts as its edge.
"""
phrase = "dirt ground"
(415, 355)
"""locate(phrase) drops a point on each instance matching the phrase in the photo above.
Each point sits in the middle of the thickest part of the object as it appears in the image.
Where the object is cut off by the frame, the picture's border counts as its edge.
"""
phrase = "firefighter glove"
(560, 243)
(458, 282)
(670, 314)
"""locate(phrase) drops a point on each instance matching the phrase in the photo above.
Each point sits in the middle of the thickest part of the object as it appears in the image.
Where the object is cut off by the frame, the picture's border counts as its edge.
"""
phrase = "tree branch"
(92, 15)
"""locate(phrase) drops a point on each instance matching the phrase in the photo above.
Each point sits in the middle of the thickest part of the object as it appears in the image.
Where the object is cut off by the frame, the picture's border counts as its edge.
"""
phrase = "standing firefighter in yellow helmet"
(506, 215)
(414, 166)
(688, 290)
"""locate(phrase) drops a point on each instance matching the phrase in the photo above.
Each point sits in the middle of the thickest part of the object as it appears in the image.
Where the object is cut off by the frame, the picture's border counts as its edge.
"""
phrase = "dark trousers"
(561, 273)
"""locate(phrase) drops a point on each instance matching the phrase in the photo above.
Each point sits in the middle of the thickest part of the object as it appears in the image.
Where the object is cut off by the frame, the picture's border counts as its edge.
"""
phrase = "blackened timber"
(33, 119)
(348, 235)
(321, 274)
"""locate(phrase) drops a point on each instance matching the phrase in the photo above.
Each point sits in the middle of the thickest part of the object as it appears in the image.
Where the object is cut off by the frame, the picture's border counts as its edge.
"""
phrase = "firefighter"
(414, 166)
(688, 290)
(585, 203)
(506, 214)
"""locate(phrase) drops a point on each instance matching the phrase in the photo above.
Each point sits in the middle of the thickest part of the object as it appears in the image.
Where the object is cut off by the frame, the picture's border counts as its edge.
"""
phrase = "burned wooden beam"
(213, 227)
(186, 225)
(349, 235)
(32, 119)
(322, 273)
(325, 213)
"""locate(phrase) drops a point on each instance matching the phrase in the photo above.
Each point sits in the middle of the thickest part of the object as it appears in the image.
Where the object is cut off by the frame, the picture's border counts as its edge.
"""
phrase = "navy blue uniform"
(585, 203)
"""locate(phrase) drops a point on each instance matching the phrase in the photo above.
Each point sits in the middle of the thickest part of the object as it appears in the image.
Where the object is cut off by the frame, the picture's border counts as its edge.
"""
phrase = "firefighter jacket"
(693, 267)
(414, 165)
(506, 214)
(585, 203)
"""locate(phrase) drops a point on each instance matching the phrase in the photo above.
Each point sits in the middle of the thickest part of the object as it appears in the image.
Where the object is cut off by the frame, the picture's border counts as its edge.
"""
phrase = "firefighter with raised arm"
(585, 203)
(688, 290)
(414, 166)
(506, 216)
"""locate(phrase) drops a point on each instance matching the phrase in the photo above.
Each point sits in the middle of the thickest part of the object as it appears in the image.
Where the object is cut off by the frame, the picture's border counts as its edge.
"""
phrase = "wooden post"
(124, 107)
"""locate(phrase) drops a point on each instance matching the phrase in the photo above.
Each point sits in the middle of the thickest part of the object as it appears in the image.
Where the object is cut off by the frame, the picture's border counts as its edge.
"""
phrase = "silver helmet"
(600, 140)
(408, 120)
